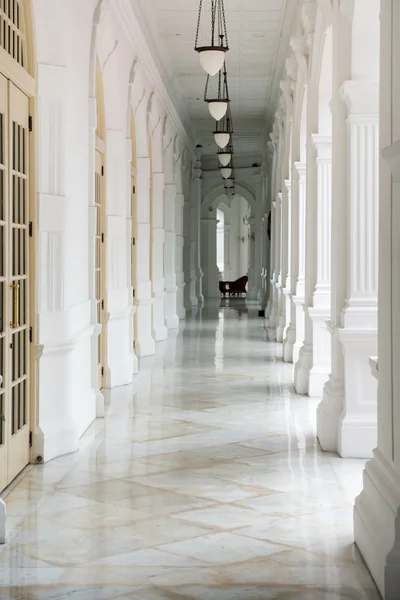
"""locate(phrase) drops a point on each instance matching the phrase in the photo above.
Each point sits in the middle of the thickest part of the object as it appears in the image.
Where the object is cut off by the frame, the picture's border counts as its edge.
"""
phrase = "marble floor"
(205, 481)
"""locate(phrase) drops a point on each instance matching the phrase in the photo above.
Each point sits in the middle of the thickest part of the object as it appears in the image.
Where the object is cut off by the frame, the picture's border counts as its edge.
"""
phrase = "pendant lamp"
(212, 57)
(219, 101)
(225, 156)
(224, 130)
(222, 138)
(226, 172)
(218, 108)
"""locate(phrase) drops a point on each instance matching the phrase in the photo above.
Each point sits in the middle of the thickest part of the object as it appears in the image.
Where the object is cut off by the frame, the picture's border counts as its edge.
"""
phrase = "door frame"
(25, 80)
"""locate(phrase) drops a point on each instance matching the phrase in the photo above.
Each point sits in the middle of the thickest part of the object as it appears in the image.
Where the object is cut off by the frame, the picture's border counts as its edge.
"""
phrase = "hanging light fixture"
(212, 57)
(218, 105)
(225, 156)
(224, 130)
(226, 172)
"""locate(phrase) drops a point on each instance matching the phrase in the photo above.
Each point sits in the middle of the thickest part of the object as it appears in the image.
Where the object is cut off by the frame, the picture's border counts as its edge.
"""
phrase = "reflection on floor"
(204, 482)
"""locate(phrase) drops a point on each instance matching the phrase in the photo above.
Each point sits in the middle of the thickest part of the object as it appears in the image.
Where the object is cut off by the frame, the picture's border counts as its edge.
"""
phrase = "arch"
(218, 190)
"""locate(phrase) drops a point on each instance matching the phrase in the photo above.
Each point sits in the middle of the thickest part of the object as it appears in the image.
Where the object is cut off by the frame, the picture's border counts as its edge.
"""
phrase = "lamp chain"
(198, 24)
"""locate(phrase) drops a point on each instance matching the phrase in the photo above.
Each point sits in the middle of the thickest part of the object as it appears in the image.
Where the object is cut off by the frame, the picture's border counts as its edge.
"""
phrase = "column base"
(145, 347)
(172, 322)
(281, 325)
(377, 524)
(318, 378)
(328, 413)
(100, 403)
(268, 312)
(55, 439)
(357, 427)
(357, 437)
(298, 301)
(252, 294)
(160, 334)
(321, 369)
(289, 343)
(302, 370)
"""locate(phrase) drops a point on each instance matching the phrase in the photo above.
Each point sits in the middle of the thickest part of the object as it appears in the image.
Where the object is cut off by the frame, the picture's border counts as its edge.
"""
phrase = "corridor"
(204, 481)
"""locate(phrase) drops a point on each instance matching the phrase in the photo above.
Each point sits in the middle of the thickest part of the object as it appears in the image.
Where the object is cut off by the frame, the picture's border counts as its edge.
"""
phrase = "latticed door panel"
(12, 37)
(100, 264)
(134, 241)
(14, 281)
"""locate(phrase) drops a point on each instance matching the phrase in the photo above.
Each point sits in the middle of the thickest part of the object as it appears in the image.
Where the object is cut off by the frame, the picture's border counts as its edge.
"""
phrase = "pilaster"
(321, 303)
(171, 317)
(299, 295)
(209, 256)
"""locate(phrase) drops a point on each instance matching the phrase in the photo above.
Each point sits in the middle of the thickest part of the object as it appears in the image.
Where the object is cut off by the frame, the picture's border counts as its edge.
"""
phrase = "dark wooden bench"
(234, 288)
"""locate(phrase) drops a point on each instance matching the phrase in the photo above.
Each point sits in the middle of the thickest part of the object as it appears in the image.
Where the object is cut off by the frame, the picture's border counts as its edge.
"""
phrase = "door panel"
(14, 281)
(100, 264)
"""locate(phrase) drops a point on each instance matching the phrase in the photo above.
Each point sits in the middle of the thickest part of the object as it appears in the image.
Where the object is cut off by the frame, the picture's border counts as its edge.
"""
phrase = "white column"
(286, 285)
(353, 419)
(159, 330)
(180, 277)
(377, 509)
(187, 249)
(290, 290)
(299, 297)
(209, 256)
(197, 229)
(227, 251)
(321, 304)
(281, 322)
(252, 283)
(194, 201)
(171, 317)
(145, 345)
(358, 421)
(270, 314)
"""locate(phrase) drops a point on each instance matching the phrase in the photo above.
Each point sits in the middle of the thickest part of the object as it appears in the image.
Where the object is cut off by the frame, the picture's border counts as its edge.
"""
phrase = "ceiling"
(258, 43)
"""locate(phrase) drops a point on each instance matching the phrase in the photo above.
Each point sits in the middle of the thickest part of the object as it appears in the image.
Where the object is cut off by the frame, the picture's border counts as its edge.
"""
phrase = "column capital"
(323, 147)
(288, 185)
(300, 49)
(301, 169)
(287, 94)
(291, 68)
(361, 97)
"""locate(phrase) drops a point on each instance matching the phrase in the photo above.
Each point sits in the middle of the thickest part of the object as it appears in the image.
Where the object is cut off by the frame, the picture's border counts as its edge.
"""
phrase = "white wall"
(66, 51)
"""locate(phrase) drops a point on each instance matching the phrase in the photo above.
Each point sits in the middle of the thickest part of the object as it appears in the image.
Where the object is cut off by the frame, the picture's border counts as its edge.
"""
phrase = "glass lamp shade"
(222, 139)
(224, 158)
(218, 108)
(226, 172)
(212, 59)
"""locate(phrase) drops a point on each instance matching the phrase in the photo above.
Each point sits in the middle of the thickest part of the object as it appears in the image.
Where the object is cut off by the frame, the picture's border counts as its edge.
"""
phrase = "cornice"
(130, 22)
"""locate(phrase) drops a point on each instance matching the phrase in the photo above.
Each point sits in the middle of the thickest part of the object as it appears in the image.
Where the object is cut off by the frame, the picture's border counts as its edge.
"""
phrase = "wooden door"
(100, 264)
(15, 229)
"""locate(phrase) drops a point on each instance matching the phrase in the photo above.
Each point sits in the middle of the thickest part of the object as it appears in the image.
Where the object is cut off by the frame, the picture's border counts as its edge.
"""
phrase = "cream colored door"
(133, 246)
(14, 282)
(100, 264)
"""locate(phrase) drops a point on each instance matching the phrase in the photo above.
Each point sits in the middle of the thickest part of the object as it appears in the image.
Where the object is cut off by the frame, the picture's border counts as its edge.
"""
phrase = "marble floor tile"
(204, 481)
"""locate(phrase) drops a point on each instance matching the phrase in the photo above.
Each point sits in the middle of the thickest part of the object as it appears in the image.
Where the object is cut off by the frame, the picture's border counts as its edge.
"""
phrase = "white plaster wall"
(66, 333)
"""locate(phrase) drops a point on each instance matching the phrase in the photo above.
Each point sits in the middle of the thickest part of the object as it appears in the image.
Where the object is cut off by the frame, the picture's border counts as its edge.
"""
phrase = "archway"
(100, 234)
(17, 250)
